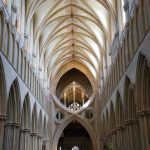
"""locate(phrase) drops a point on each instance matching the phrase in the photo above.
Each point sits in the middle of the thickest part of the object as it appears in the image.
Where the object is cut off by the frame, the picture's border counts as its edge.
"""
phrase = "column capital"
(121, 127)
(25, 130)
(13, 124)
(2, 117)
(131, 121)
(34, 134)
(143, 113)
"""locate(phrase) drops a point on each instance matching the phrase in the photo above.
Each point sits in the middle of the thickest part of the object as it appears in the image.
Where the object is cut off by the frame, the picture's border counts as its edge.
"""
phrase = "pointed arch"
(107, 121)
(14, 103)
(129, 100)
(40, 124)
(142, 98)
(13, 119)
(119, 111)
(3, 95)
(45, 127)
(34, 127)
(142, 83)
(64, 125)
(26, 113)
(112, 118)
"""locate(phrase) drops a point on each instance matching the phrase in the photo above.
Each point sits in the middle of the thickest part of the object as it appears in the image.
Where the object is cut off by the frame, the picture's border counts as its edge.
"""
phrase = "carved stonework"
(13, 124)
(14, 8)
(2, 117)
(33, 134)
(25, 130)
(143, 113)
(128, 122)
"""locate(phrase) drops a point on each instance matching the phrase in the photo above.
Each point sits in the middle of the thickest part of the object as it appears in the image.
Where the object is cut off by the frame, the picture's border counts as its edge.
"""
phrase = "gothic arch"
(3, 98)
(26, 113)
(2, 90)
(83, 123)
(130, 117)
(40, 124)
(119, 120)
(119, 111)
(107, 121)
(112, 127)
(14, 103)
(112, 118)
(142, 98)
(24, 142)
(34, 128)
(143, 83)
(129, 100)
(45, 127)
(12, 126)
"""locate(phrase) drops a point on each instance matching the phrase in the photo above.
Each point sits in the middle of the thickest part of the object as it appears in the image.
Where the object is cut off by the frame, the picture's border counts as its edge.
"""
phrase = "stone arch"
(107, 121)
(112, 118)
(2, 90)
(44, 143)
(13, 118)
(129, 101)
(118, 108)
(14, 103)
(143, 83)
(45, 128)
(3, 98)
(40, 123)
(142, 98)
(119, 120)
(130, 117)
(112, 126)
(40, 130)
(34, 127)
(26, 113)
(83, 123)
(26, 124)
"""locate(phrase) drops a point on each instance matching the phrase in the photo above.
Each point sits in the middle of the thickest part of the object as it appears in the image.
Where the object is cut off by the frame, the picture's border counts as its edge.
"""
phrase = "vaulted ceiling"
(71, 34)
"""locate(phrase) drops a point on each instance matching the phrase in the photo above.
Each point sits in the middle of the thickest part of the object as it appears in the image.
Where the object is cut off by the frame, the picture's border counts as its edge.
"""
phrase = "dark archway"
(74, 135)
(77, 76)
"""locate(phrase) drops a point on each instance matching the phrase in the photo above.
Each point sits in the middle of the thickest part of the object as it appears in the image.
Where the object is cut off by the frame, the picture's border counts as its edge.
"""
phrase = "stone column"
(34, 142)
(114, 139)
(25, 142)
(2, 122)
(120, 139)
(132, 135)
(144, 121)
(11, 136)
(39, 138)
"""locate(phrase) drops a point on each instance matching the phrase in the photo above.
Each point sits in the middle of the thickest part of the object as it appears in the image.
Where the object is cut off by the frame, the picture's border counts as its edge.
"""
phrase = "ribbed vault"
(71, 30)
